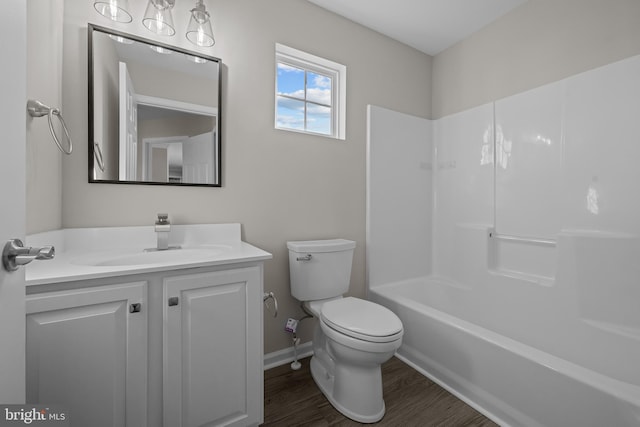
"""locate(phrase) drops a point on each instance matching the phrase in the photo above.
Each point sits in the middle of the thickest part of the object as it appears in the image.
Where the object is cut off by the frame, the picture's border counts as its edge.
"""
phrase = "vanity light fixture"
(116, 10)
(199, 31)
(158, 18)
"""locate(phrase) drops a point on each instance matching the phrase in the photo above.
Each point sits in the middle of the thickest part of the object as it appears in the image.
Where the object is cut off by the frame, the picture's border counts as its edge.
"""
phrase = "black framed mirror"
(154, 112)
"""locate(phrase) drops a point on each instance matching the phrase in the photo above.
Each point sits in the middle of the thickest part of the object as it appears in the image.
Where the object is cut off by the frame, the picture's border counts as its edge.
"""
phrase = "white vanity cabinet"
(177, 348)
(87, 351)
(190, 354)
(212, 346)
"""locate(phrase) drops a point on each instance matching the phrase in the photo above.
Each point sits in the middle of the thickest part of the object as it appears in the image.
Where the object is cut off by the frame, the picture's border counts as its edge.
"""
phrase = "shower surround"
(507, 239)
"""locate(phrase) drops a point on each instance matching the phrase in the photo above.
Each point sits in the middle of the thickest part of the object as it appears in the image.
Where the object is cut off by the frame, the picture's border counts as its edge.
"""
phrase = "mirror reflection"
(153, 112)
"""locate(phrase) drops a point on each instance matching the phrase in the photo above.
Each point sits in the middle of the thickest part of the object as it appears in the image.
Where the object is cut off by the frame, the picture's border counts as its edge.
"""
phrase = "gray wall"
(106, 72)
(283, 186)
(44, 71)
(279, 185)
(158, 83)
(539, 42)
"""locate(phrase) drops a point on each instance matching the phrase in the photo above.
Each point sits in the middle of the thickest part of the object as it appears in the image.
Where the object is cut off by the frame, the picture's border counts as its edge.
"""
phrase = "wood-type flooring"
(293, 399)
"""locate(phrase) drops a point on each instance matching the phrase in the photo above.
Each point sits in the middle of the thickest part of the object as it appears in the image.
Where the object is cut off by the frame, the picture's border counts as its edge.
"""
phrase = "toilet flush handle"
(307, 257)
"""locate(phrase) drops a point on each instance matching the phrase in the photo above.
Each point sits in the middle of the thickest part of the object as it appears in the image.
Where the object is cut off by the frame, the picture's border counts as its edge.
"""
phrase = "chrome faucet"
(163, 227)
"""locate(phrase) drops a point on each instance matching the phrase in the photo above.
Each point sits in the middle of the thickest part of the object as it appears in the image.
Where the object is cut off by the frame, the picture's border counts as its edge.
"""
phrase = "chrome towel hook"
(38, 109)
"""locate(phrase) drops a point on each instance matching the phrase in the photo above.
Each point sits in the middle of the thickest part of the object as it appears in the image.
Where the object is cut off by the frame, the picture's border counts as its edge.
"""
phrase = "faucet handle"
(163, 218)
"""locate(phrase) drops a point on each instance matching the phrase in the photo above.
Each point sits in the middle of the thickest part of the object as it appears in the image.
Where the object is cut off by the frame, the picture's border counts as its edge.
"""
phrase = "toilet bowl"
(352, 380)
(352, 336)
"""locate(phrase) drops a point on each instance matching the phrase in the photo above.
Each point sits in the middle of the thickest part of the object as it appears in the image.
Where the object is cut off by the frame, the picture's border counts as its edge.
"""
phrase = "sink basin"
(132, 258)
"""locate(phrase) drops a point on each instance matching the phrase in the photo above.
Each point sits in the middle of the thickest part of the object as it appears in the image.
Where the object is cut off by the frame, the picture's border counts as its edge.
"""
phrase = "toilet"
(352, 336)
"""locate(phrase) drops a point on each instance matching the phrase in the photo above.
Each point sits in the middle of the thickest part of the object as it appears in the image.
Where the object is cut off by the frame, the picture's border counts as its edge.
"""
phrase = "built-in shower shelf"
(531, 259)
(615, 328)
(525, 277)
(523, 239)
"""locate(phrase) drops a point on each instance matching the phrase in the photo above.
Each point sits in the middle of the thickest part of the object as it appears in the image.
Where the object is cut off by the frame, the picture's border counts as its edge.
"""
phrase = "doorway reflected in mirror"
(154, 112)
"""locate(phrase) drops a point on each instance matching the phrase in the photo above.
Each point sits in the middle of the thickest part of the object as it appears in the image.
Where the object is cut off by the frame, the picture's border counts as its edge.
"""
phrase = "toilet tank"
(320, 269)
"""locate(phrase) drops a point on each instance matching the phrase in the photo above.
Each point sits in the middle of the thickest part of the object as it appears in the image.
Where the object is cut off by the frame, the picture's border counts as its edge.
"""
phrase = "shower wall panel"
(399, 169)
(463, 181)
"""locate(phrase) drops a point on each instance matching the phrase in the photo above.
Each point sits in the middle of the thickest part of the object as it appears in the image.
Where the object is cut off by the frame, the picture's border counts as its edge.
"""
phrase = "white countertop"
(78, 248)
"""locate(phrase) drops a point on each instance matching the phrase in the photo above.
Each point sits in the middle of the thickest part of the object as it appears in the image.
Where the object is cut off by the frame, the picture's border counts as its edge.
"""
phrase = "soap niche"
(527, 258)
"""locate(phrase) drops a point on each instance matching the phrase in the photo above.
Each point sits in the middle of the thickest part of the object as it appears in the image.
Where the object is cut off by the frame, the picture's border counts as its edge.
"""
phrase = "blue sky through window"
(292, 99)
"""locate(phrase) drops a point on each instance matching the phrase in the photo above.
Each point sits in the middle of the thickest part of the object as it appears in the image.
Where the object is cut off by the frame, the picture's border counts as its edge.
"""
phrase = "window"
(310, 93)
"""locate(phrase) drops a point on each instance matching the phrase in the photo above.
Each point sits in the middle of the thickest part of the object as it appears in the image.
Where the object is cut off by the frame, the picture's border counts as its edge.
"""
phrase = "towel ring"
(38, 109)
(270, 295)
(97, 152)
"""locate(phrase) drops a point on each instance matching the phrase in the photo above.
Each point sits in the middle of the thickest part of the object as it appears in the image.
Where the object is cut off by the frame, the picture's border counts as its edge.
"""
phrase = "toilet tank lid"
(331, 245)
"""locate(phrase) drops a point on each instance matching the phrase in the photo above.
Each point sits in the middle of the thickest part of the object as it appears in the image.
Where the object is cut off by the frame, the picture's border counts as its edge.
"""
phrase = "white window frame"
(316, 64)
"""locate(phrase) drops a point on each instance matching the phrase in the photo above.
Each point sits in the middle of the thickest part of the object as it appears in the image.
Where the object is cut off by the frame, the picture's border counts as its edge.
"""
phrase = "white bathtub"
(515, 264)
(456, 336)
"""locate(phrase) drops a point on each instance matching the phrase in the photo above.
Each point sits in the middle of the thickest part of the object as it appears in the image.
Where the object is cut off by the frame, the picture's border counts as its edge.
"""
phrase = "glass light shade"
(116, 10)
(158, 18)
(120, 39)
(197, 59)
(199, 31)
(162, 50)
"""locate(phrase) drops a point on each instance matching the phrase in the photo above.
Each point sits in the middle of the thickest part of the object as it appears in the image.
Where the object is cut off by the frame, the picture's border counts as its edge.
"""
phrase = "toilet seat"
(362, 319)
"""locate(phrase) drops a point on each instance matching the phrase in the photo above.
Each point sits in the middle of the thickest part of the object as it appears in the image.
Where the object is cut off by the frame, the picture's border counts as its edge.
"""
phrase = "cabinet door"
(87, 352)
(213, 349)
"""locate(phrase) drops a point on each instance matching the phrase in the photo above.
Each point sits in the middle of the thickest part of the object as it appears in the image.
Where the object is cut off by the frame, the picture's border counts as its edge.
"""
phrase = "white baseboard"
(281, 357)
